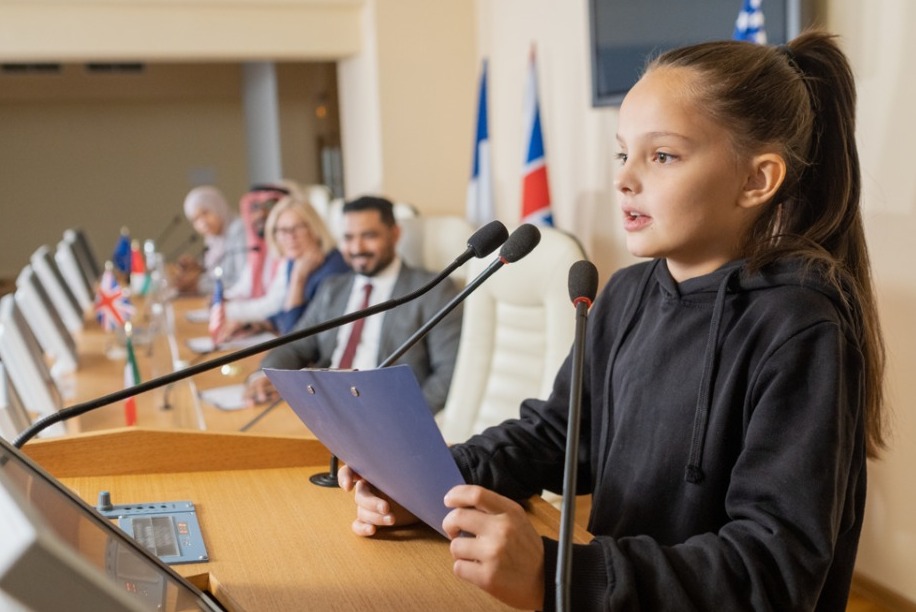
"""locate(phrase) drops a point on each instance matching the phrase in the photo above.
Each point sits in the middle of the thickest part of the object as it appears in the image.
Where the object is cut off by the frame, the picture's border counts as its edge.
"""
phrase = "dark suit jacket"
(432, 359)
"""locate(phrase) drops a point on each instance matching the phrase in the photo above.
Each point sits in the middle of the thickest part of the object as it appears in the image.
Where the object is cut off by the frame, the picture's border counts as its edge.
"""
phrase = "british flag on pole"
(112, 304)
(535, 189)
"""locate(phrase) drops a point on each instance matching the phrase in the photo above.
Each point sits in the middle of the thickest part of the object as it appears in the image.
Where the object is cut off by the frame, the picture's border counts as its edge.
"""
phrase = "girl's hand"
(495, 547)
(373, 508)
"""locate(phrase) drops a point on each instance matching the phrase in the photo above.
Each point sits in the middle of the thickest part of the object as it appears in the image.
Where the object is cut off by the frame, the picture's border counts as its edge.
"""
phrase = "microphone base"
(324, 479)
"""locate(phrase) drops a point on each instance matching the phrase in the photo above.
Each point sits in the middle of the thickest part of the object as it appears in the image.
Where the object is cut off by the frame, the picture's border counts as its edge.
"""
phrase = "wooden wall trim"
(881, 595)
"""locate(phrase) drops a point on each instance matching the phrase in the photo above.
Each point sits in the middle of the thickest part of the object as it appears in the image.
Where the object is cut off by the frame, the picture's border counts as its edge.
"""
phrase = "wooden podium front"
(275, 541)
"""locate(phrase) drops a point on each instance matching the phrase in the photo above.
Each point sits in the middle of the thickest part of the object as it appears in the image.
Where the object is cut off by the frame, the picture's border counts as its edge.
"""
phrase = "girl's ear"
(767, 172)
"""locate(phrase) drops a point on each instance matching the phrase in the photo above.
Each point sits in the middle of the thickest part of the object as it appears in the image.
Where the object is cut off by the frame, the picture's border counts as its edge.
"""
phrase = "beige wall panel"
(47, 30)
(427, 94)
(103, 151)
(878, 37)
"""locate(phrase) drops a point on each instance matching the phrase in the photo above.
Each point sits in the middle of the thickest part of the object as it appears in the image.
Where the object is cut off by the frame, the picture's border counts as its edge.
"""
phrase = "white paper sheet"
(229, 397)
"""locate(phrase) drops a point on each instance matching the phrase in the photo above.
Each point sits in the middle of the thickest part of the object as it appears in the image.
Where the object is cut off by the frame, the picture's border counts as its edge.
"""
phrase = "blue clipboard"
(378, 423)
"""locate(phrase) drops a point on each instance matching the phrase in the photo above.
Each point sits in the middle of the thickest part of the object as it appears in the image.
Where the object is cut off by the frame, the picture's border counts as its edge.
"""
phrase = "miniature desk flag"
(112, 305)
(121, 257)
(131, 377)
(217, 308)
(139, 272)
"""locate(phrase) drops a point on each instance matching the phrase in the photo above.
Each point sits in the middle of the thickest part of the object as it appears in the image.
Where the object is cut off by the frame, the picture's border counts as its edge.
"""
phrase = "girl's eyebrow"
(659, 134)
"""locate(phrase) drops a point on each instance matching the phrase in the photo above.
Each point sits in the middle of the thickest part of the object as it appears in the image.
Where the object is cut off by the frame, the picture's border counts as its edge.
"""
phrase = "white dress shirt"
(366, 356)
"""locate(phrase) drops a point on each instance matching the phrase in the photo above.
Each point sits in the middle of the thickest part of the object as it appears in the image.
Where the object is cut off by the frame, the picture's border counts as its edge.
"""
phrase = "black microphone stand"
(468, 289)
(329, 478)
(167, 230)
(261, 414)
(186, 244)
(582, 273)
(519, 244)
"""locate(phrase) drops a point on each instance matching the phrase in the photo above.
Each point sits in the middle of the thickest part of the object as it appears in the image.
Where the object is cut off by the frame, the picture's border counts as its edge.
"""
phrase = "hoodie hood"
(715, 288)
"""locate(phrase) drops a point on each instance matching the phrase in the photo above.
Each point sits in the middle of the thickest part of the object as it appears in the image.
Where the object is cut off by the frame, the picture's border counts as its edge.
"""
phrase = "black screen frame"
(788, 18)
(119, 541)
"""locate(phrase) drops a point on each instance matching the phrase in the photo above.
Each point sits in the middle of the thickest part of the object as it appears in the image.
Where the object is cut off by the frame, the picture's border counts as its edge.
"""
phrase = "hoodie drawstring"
(694, 472)
(631, 309)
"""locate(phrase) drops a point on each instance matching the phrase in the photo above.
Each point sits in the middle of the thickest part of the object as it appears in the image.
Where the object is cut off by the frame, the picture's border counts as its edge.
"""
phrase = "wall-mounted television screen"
(624, 33)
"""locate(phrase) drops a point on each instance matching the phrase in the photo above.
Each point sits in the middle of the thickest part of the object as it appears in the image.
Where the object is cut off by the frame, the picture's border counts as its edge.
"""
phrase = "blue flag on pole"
(750, 23)
(480, 208)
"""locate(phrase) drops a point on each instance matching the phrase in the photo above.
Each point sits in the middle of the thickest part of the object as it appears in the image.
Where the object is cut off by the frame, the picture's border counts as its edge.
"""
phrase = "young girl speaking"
(732, 383)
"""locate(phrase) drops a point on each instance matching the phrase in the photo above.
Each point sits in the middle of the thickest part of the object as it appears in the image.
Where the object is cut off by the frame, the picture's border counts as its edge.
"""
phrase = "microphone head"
(485, 240)
(521, 242)
(583, 282)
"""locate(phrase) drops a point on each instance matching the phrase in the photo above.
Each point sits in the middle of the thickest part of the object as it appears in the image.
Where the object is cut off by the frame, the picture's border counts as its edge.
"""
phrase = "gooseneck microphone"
(185, 245)
(520, 243)
(583, 286)
(168, 229)
(485, 240)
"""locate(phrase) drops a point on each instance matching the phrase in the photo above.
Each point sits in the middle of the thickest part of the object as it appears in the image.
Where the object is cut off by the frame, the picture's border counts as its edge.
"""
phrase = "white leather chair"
(319, 196)
(434, 242)
(517, 329)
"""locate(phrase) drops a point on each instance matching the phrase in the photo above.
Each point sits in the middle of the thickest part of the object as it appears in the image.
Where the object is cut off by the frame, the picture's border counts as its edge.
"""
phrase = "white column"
(262, 122)
(360, 114)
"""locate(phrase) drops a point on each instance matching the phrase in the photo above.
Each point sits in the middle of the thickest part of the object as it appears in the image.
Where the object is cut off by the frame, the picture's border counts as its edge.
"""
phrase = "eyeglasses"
(289, 231)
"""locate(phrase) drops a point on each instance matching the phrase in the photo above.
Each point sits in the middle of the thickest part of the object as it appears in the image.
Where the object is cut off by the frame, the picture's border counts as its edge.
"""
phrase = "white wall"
(878, 37)
(579, 139)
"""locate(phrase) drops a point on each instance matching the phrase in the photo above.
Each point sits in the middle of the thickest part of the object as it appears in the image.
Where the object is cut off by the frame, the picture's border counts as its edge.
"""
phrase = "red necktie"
(346, 360)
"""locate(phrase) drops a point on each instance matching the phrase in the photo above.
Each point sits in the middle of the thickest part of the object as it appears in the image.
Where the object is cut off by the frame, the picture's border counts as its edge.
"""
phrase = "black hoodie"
(722, 440)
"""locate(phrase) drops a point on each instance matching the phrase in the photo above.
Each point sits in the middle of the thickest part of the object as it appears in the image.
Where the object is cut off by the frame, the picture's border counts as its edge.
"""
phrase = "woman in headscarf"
(225, 245)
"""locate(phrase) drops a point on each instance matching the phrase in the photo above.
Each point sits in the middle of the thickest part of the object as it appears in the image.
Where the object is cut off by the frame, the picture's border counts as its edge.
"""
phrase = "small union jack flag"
(112, 305)
(217, 310)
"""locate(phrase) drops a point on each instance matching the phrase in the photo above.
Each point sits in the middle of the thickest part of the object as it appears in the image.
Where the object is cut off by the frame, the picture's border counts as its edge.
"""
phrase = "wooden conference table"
(275, 541)
(101, 371)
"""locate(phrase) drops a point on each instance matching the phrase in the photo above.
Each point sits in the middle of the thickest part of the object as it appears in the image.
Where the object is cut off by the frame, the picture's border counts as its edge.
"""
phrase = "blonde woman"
(298, 236)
